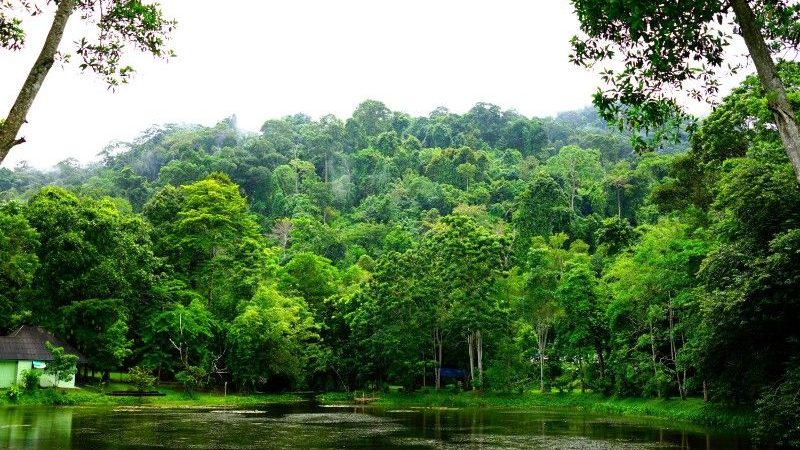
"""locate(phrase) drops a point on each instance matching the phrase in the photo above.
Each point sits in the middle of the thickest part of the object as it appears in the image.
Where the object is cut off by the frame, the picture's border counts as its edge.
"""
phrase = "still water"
(310, 426)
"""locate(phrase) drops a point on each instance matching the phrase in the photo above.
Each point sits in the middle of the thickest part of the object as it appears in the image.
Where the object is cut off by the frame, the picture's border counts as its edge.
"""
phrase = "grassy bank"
(89, 396)
(692, 410)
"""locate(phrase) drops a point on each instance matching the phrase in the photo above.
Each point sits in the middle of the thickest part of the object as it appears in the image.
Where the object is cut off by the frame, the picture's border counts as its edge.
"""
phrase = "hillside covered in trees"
(342, 254)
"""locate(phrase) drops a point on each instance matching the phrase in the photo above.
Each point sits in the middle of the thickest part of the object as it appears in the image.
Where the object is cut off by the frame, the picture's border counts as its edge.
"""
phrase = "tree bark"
(470, 347)
(705, 391)
(542, 331)
(601, 361)
(16, 116)
(437, 355)
(673, 351)
(479, 351)
(785, 118)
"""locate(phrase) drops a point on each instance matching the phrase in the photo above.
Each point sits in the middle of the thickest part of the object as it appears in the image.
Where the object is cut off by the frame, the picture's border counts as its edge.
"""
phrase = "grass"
(692, 410)
(95, 396)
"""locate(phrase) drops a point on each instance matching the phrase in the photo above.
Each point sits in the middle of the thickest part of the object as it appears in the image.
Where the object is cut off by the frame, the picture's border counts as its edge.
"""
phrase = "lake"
(313, 426)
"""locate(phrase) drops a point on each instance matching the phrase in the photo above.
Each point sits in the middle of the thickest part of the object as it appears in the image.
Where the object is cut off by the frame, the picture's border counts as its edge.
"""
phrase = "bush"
(778, 411)
(191, 378)
(13, 393)
(564, 382)
(30, 380)
(141, 378)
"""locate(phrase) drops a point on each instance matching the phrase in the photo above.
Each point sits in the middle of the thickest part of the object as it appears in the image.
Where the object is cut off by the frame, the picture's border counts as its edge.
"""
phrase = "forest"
(386, 249)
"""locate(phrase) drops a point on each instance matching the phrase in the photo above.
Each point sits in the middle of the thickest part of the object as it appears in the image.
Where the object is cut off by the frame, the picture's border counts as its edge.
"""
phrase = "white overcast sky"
(266, 59)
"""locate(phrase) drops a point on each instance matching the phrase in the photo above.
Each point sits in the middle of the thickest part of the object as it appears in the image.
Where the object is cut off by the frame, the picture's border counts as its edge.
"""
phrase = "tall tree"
(538, 305)
(119, 24)
(579, 169)
(681, 46)
(469, 258)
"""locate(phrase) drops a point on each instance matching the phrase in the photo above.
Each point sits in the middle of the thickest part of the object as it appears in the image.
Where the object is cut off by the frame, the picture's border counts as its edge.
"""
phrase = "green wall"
(8, 373)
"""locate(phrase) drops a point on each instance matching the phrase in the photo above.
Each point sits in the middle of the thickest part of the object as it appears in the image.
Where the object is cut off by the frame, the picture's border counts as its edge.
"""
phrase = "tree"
(62, 366)
(89, 249)
(654, 309)
(206, 232)
(141, 378)
(99, 329)
(584, 328)
(538, 305)
(313, 277)
(469, 259)
(664, 49)
(580, 169)
(397, 304)
(188, 331)
(18, 262)
(273, 337)
(372, 118)
(120, 24)
(467, 172)
(281, 232)
(539, 211)
(619, 179)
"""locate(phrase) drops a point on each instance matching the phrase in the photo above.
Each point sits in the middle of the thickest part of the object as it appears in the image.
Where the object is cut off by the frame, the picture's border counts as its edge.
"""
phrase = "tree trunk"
(437, 356)
(619, 204)
(673, 352)
(785, 118)
(653, 349)
(602, 361)
(705, 391)
(479, 350)
(470, 347)
(424, 371)
(542, 337)
(16, 116)
(573, 193)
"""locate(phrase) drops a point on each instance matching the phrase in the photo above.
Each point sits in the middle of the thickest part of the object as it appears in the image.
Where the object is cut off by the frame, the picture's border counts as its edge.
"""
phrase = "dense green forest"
(349, 254)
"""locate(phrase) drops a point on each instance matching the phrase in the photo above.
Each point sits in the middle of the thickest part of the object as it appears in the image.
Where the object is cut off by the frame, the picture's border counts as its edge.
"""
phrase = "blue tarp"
(449, 372)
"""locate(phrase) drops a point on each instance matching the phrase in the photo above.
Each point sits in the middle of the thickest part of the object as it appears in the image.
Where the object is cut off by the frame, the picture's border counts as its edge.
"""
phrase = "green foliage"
(271, 338)
(13, 393)
(99, 329)
(62, 367)
(30, 380)
(141, 378)
(191, 378)
(778, 411)
(18, 261)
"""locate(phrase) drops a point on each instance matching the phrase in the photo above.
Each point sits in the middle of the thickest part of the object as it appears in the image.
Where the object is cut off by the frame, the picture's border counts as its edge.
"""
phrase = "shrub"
(778, 411)
(13, 393)
(141, 378)
(191, 378)
(30, 380)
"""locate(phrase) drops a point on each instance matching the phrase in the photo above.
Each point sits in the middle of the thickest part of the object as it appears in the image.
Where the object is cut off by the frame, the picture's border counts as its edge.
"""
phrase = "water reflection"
(35, 428)
(309, 426)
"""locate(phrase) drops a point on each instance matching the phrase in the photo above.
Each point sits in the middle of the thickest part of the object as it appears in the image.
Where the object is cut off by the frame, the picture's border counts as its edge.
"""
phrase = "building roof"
(27, 343)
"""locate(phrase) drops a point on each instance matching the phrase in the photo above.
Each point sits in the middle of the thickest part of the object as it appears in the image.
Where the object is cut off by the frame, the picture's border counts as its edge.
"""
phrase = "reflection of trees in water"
(304, 425)
(33, 429)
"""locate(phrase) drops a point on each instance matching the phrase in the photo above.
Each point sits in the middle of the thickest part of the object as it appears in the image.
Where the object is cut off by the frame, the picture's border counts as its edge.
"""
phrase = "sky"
(265, 59)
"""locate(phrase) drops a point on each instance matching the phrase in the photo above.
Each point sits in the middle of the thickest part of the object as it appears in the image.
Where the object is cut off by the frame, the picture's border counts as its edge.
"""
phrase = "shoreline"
(691, 411)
